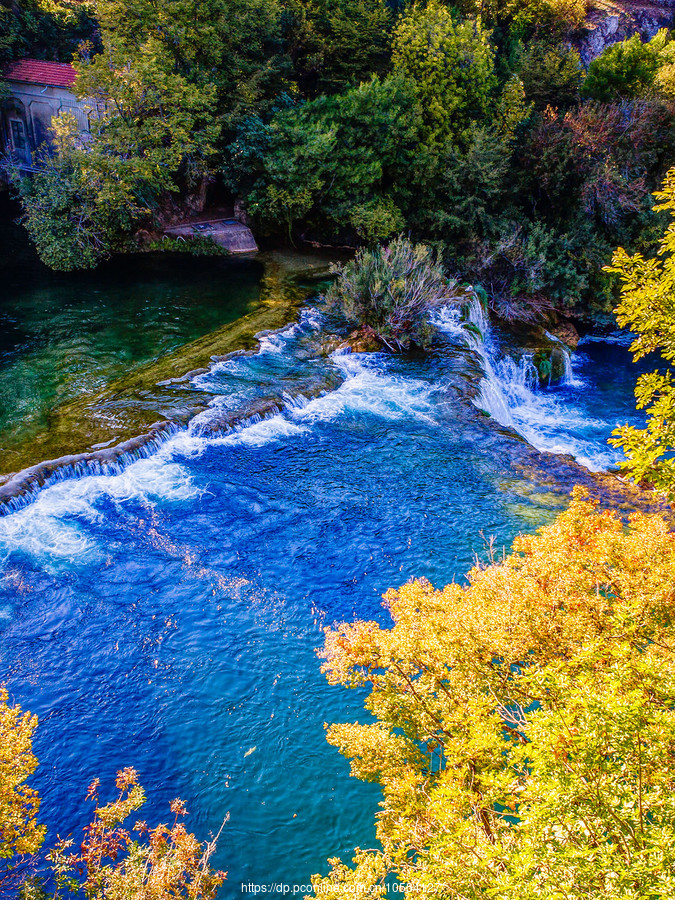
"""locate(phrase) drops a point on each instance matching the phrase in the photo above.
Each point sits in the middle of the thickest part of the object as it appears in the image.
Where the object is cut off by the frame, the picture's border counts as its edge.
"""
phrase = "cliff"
(610, 21)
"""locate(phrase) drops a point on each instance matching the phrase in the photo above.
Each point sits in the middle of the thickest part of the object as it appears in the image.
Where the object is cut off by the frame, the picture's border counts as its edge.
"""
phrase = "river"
(166, 615)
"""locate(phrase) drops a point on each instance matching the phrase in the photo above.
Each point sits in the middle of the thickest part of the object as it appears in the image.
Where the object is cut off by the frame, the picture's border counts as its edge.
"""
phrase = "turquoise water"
(166, 617)
(66, 336)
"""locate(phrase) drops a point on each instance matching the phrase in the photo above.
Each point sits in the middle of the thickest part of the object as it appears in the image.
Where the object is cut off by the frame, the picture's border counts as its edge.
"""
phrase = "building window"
(18, 134)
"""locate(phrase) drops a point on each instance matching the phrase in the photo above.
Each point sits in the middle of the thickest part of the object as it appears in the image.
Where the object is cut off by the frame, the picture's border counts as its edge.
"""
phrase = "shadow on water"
(81, 353)
(65, 336)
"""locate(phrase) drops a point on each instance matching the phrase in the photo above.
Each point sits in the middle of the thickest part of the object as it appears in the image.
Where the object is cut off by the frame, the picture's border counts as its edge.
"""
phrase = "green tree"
(153, 132)
(551, 76)
(627, 69)
(158, 122)
(337, 165)
(647, 307)
(555, 17)
(335, 45)
(522, 724)
(450, 64)
(81, 205)
(44, 29)
(461, 194)
(223, 44)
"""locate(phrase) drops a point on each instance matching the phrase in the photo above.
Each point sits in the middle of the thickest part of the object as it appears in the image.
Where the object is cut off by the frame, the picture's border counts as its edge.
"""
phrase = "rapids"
(165, 612)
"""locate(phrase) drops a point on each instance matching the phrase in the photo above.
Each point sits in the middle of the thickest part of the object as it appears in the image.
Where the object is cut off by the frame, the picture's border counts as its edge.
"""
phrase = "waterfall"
(507, 383)
(568, 374)
(551, 419)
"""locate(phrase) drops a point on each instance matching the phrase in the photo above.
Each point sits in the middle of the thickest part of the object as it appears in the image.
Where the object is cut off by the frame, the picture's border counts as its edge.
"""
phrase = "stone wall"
(27, 114)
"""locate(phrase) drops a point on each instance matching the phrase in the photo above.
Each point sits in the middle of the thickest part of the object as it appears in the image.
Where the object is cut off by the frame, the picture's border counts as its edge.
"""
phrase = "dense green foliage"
(629, 68)
(472, 126)
(450, 67)
(522, 725)
(44, 29)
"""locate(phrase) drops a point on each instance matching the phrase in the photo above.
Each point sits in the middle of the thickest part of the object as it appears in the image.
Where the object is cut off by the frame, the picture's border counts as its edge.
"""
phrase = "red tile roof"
(36, 71)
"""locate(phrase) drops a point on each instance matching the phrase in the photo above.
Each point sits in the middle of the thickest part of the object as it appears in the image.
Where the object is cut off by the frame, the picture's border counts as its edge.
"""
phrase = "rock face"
(565, 331)
(611, 21)
(548, 347)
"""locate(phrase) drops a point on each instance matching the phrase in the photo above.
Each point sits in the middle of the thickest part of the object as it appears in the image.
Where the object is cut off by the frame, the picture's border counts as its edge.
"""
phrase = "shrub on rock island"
(392, 290)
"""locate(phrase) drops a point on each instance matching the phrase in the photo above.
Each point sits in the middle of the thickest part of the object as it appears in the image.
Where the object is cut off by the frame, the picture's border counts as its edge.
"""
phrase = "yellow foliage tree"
(523, 725)
(20, 833)
(647, 307)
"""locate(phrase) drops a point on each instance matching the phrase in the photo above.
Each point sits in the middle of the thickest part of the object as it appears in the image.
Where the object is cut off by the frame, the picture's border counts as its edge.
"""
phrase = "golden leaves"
(19, 804)
(502, 706)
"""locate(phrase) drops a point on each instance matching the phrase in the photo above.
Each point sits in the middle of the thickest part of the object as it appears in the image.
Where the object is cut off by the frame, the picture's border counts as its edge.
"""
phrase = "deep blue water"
(167, 617)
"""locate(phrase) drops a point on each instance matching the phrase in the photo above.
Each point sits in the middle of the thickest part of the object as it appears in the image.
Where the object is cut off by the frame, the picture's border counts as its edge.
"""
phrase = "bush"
(551, 76)
(392, 290)
(626, 70)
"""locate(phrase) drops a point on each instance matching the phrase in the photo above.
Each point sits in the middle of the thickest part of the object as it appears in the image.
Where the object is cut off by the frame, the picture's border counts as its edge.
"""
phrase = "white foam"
(511, 394)
(368, 388)
(276, 342)
(53, 528)
(448, 319)
(258, 434)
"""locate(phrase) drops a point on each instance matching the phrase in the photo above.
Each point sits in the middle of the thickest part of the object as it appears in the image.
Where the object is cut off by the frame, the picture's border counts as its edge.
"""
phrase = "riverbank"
(141, 405)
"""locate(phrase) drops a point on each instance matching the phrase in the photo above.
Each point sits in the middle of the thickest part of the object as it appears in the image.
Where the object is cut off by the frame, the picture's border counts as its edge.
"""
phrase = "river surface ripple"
(166, 617)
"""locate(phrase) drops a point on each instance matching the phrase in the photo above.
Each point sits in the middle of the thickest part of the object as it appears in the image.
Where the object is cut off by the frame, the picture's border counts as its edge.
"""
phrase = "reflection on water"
(64, 336)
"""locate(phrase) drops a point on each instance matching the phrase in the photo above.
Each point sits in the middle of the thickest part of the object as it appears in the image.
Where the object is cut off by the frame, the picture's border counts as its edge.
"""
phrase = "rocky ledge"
(611, 21)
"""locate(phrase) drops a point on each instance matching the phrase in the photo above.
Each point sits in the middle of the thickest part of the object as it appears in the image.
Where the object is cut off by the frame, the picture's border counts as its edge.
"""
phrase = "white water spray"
(511, 393)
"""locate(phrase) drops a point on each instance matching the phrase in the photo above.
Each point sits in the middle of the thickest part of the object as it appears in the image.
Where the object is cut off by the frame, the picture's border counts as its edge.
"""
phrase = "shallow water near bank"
(66, 336)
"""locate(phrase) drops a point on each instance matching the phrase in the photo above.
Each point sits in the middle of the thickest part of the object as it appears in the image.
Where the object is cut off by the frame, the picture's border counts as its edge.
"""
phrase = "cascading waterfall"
(506, 382)
(568, 373)
(551, 418)
(252, 401)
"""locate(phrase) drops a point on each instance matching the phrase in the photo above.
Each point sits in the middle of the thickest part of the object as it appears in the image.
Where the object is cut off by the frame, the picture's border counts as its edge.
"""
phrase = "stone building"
(38, 91)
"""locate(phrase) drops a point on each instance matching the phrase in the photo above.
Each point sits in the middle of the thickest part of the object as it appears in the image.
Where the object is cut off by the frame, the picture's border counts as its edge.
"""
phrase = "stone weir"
(24, 486)
(159, 393)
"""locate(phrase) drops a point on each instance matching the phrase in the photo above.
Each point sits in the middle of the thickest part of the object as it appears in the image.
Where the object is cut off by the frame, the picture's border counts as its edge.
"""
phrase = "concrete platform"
(228, 233)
